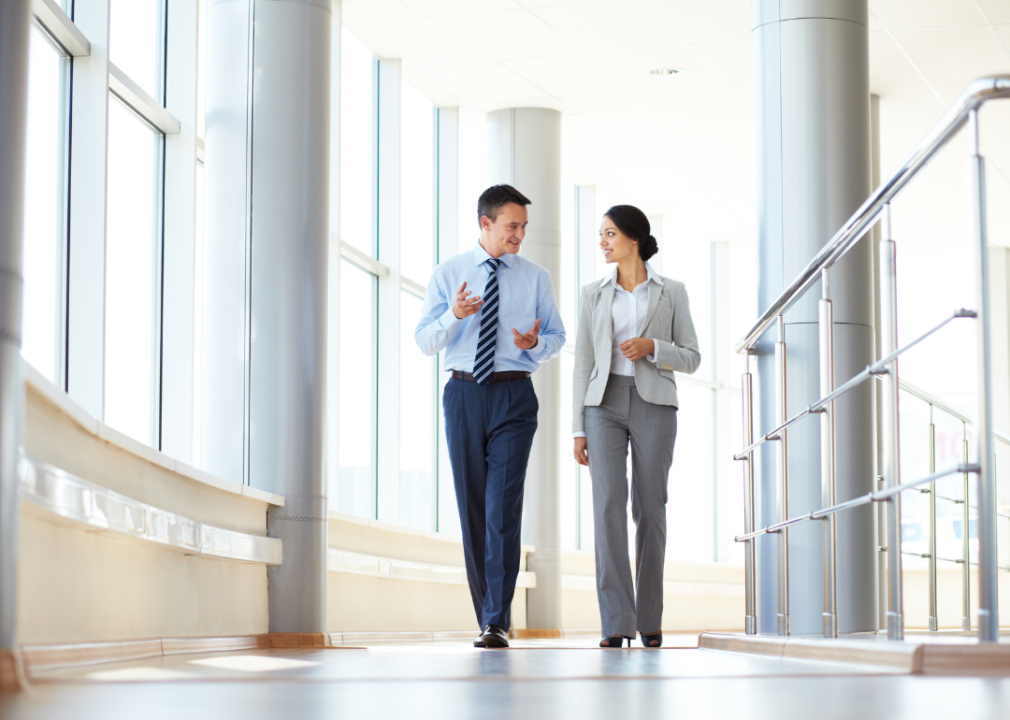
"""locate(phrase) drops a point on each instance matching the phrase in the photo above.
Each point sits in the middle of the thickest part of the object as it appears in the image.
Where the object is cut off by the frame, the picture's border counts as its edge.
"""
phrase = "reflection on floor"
(534, 679)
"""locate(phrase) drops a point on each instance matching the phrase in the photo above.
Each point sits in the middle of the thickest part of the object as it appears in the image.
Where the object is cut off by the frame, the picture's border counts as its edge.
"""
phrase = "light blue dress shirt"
(525, 294)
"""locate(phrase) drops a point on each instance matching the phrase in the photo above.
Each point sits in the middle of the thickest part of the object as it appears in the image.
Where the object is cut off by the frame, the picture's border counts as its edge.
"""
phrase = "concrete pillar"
(811, 74)
(14, 17)
(264, 364)
(524, 150)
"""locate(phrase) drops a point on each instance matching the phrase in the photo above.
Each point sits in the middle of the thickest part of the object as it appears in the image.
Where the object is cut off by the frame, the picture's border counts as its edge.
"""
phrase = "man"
(490, 407)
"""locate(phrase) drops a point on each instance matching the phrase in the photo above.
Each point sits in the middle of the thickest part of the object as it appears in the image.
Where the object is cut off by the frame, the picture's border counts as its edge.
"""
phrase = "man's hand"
(528, 340)
(581, 453)
(637, 348)
(465, 306)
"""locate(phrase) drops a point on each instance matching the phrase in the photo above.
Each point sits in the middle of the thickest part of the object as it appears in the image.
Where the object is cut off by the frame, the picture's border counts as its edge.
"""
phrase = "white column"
(656, 226)
(268, 154)
(14, 17)
(333, 278)
(89, 122)
(180, 222)
(812, 112)
(524, 150)
(227, 215)
(448, 239)
(388, 234)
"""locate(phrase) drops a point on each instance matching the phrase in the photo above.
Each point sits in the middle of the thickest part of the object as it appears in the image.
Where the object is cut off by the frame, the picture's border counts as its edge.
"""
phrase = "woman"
(635, 330)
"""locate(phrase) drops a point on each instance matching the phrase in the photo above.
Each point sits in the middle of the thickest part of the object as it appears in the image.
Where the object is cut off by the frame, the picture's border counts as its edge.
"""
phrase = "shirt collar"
(612, 275)
(480, 256)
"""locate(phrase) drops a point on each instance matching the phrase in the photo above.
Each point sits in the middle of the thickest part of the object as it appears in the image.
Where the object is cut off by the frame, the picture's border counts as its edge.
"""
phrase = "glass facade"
(356, 486)
(132, 275)
(45, 208)
(357, 143)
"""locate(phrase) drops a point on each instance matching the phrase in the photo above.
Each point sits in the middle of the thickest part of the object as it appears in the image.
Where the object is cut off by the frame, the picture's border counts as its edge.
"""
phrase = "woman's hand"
(637, 348)
(581, 453)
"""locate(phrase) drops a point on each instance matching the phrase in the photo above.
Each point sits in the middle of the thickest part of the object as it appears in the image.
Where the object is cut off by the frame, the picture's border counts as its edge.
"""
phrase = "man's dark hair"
(493, 200)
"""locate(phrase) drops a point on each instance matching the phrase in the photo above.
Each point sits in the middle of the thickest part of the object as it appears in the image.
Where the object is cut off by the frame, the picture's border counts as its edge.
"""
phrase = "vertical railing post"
(988, 612)
(782, 462)
(881, 511)
(750, 589)
(827, 349)
(891, 469)
(933, 622)
(965, 538)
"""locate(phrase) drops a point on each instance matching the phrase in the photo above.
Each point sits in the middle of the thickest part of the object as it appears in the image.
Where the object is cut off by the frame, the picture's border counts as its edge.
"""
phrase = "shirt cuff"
(578, 434)
(655, 351)
(448, 319)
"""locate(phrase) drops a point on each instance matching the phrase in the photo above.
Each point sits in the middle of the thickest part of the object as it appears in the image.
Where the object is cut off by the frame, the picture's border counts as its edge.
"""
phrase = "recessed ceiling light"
(665, 71)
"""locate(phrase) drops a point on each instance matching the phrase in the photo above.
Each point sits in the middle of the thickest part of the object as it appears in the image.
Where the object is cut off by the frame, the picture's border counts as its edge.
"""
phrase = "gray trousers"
(624, 416)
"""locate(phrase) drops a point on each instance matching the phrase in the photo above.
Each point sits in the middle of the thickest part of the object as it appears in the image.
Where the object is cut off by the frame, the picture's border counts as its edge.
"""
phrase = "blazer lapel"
(606, 312)
(655, 292)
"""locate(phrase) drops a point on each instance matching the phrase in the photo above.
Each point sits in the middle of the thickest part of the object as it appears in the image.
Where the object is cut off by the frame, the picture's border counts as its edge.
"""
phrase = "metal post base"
(782, 624)
(966, 624)
(895, 626)
(830, 622)
(750, 624)
(986, 630)
(933, 625)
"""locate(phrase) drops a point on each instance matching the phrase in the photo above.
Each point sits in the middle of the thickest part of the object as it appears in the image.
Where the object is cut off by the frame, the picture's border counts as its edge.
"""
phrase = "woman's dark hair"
(632, 222)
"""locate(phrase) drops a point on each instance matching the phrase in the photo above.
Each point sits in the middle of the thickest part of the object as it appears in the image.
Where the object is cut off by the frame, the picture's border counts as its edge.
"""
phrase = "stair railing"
(877, 206)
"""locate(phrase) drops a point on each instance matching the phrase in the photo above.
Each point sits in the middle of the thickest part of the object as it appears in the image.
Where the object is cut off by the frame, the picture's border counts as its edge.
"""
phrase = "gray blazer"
(667, 320)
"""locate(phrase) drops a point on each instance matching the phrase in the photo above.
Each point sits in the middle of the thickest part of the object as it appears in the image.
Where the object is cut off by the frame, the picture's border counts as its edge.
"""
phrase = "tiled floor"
(534, 679)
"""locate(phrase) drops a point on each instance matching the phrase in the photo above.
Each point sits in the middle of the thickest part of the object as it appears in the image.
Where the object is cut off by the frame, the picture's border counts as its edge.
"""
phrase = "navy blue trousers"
(489, 430)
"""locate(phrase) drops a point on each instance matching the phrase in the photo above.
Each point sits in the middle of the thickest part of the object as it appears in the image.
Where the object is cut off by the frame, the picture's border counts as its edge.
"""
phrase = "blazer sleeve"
(584, 363)
(682, 354)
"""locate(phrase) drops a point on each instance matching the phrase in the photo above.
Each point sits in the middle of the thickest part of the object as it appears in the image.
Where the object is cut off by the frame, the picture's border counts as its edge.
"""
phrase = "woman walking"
(635, 330)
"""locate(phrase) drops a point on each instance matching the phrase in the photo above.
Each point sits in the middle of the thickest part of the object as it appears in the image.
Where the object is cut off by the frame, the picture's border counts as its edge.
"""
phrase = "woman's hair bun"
(632, 222)
(648, 247)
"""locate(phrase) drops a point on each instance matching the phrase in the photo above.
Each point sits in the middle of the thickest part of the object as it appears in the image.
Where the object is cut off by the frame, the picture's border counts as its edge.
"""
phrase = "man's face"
(506, 233)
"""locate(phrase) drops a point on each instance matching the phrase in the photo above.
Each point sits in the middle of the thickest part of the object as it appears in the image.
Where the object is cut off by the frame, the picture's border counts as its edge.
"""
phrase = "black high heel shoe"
(614, 641)
(652, 641)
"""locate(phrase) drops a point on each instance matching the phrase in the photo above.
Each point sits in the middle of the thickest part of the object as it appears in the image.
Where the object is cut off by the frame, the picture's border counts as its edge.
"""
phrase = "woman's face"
(616, 246)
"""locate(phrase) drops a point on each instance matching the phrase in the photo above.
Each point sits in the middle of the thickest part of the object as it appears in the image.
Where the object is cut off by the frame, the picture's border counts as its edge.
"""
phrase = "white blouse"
(627, 315)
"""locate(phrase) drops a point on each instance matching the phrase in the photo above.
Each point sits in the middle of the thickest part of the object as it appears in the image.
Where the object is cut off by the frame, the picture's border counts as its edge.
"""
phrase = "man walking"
(490, 406)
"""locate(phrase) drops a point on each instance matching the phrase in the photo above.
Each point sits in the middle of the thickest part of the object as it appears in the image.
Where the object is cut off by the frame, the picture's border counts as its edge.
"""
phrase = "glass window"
(137, 42)
(357, 143)
(45, 201)
(132, 289)
(417, 422)
(355, 492)
(198, 280)
(201, 71)
(417, 185)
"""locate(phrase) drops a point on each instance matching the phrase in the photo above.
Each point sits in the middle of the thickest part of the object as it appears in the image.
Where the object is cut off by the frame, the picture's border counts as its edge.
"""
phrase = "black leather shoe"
(494, 637)
(479, 640)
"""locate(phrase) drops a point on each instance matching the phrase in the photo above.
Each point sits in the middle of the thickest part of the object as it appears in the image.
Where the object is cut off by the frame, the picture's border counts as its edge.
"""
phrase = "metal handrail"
(964, 112)
(937, 403)
(877, 368)
(978, 93)
(871, 497)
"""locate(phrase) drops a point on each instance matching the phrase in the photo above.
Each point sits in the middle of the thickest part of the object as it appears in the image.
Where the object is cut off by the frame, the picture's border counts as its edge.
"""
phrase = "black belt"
(495, 377)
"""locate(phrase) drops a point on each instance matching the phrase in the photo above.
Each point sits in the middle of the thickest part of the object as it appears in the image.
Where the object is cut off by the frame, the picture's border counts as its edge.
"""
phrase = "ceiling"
(681, 145)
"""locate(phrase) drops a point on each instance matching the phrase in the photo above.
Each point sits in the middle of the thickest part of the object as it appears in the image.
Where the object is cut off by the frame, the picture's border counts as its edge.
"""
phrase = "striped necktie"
(483, 361)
